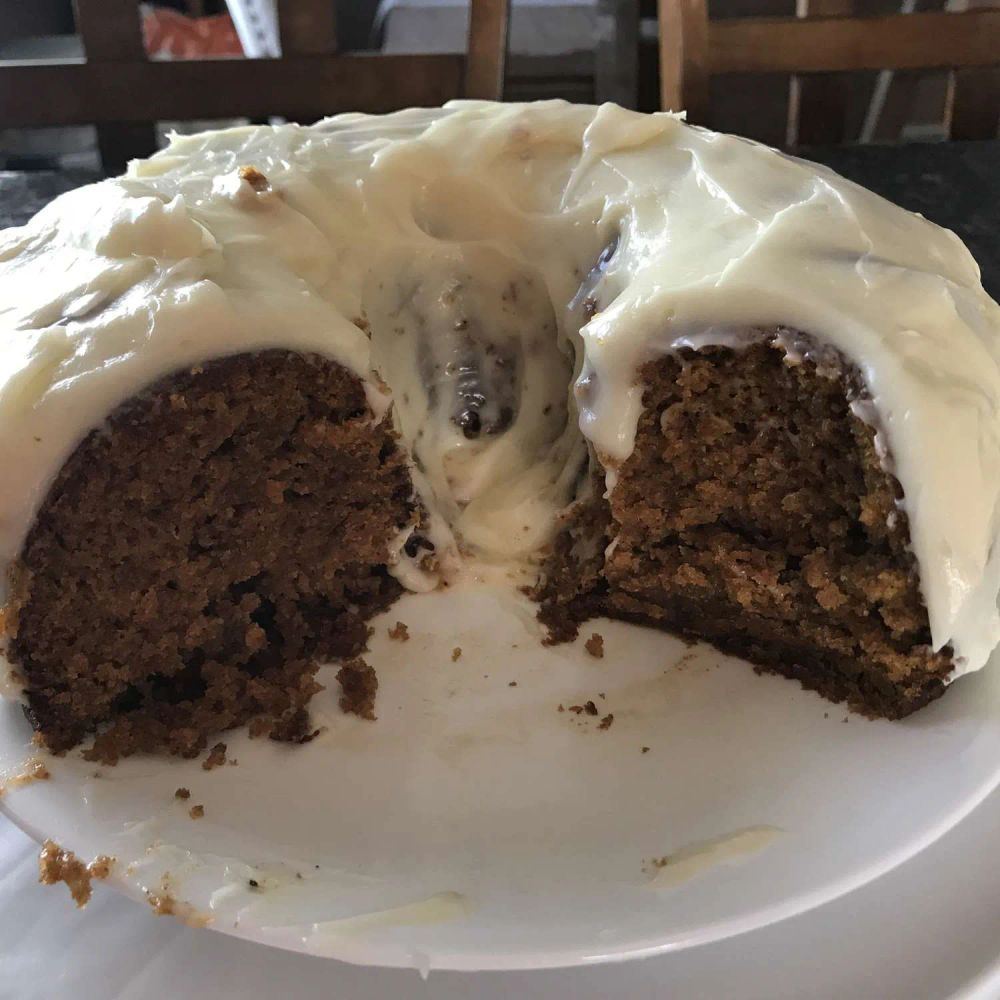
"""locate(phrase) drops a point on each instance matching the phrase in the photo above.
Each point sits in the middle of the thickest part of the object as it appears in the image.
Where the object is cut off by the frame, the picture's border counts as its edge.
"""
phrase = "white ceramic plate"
(474, 826)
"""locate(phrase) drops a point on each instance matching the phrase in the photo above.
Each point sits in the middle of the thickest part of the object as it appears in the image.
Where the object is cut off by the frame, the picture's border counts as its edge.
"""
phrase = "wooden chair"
(694, 48)
(118, 89)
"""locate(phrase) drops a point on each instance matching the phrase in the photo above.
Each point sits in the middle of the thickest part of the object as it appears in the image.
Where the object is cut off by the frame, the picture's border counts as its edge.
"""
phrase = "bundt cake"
(272, 377)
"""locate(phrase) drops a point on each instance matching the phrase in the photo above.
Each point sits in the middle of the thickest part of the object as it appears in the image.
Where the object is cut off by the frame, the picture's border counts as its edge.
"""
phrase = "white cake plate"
(475, 826)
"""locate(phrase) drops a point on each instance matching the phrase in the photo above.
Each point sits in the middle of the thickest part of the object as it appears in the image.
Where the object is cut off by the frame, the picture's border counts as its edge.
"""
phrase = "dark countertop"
(956, 185)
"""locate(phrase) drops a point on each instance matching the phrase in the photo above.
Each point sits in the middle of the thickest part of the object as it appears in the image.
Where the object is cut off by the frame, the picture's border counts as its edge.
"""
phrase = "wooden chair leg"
(975, 108)
(683, 30)
(486, 62)
(110, 30)
(817, 105)
(616, 55)
(119, 143)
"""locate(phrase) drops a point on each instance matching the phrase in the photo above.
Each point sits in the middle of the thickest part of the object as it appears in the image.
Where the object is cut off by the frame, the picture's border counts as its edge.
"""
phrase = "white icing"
(695, 860)
(423, 222)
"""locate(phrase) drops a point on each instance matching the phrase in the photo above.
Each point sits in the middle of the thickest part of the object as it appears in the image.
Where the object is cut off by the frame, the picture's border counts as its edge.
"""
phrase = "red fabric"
(169, 35)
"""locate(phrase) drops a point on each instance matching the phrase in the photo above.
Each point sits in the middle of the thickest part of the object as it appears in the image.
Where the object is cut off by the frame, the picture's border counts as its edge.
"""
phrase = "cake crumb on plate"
(56, 865)
(359, 685)
(34, 770)
(164, 903)
(595, 646)
(399, 632)
(216, 757)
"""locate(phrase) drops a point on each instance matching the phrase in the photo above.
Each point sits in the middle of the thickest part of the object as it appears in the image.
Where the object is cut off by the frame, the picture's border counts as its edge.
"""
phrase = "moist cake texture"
(755, 512)
(275, 376)
(180, 578)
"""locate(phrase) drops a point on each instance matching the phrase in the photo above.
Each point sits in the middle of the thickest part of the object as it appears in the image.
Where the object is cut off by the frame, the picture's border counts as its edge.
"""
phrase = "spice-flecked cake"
(274, 377)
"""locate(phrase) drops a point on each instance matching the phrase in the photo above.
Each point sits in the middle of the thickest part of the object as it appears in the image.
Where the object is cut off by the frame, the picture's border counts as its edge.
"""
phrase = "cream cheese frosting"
(496, 274)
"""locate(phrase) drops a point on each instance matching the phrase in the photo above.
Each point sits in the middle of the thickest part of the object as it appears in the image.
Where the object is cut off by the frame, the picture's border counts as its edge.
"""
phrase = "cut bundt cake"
(755, 512)
(274, 377)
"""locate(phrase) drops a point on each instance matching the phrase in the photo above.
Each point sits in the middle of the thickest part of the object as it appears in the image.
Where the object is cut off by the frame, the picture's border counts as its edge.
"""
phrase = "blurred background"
(580, 50)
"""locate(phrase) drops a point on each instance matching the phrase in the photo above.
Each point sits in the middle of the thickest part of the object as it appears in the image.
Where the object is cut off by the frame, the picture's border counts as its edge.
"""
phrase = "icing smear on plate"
(697, 859)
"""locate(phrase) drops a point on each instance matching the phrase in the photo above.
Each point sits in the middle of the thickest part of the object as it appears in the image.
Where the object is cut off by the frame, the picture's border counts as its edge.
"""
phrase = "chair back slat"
(841, 44)
(223, 88)
(307, 27)
(121, 91)
(827, 40)
(485, 63)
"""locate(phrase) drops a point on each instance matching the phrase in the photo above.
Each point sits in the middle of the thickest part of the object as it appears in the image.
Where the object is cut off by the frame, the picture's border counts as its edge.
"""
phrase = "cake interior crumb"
(182, 793)
(456, 653)
(595, 645)
(196, 812)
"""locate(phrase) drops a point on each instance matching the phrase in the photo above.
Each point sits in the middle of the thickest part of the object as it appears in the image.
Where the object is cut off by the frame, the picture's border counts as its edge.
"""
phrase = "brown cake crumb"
(100, 867)
(56, 865)
(576, 708)
(595, 646)
(645, 749)
(456, 654)
(590, 708)
(561, 708)
(512, 684)
(399, 632)
(605, 723)
(182, 793)
(164, 903)
(196, 812)
(213, 591)
(359, 684)
(216, 757)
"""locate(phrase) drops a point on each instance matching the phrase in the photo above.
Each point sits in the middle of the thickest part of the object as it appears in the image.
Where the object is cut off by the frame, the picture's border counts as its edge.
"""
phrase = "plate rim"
(359, 952)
